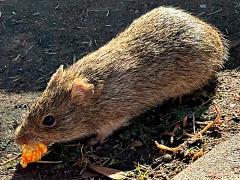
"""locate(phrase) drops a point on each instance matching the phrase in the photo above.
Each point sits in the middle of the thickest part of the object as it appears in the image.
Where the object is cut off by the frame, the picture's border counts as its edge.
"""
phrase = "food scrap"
(32, 153)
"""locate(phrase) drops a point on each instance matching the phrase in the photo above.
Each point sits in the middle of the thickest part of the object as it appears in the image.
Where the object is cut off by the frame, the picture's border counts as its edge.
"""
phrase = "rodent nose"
(21, 138)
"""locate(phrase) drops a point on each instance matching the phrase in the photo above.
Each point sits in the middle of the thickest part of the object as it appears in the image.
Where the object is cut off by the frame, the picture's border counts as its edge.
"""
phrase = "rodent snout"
(21, 137)
(20, 140)
(25, 137)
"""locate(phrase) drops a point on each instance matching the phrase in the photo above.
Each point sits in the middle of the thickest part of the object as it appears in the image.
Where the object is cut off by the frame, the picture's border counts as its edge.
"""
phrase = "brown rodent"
(164, 53)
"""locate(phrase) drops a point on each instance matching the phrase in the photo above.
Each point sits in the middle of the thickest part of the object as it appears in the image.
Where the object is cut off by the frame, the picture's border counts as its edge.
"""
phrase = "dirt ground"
(38, 36)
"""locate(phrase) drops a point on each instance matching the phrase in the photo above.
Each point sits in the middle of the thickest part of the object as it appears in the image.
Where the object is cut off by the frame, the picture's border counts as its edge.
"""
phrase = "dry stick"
(16, 58)
(194, 123)
(174, 150)
(10, 160)
(193, 137)
(185, 133)
(213, 122)
(49, 162)
(214, 12)
(202, 123)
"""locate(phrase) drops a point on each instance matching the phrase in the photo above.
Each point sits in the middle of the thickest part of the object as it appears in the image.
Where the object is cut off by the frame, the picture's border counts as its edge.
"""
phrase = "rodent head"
(60, 113)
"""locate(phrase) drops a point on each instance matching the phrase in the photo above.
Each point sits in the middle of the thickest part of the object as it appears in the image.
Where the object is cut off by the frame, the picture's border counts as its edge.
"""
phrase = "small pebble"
(136, 11)
(203, 6)
(232, 105)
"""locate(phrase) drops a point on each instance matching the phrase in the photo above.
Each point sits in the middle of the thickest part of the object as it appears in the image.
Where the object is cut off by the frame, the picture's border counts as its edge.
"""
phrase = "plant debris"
(183, 148)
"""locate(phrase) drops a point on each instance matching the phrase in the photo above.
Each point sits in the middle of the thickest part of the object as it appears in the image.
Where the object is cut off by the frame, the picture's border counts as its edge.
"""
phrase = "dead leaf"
(108, 172)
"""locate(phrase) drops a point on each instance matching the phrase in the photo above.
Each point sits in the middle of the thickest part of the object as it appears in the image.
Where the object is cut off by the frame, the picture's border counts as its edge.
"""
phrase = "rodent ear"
(81, 89)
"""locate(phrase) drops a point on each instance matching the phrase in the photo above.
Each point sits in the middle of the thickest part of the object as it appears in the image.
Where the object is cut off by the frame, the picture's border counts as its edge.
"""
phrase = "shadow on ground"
(122, 150)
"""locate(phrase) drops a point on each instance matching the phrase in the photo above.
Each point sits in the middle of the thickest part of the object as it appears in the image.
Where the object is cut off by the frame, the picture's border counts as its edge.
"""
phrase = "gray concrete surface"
(223, 163)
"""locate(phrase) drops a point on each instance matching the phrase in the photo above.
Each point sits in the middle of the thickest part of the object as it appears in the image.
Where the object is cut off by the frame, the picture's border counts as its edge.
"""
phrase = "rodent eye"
(48, 121)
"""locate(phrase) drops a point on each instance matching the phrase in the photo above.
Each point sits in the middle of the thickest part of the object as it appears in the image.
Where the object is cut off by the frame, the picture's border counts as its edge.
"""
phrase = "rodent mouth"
(20, 140)
(28, 139)
(22, 137)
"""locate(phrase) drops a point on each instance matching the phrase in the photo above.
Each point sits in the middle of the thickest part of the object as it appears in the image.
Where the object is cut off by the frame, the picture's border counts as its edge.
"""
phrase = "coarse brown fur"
(164, 53)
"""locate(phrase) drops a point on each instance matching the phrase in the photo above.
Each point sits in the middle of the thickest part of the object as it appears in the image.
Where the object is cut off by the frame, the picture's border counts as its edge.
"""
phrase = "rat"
(163, 54)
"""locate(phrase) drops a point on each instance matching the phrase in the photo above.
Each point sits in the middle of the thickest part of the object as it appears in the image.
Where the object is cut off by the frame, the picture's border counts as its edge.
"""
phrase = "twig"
(50, 53)
(57, 7)
(214, 12)
(40, 70)
(194, 123)
(108, 12)
(49, 162)
(174, 150)
(95, 42)
(28, 50)
(16, 58)
(35, 14)
(202, 123)
(10, 160)
(98, 10)
(201, 13)
(227, 33)
(213, 122)
(193, 137)
(187, 134)
(204, 103)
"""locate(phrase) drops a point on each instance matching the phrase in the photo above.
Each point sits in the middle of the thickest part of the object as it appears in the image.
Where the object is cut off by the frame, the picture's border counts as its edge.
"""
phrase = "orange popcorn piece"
(32, 153)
